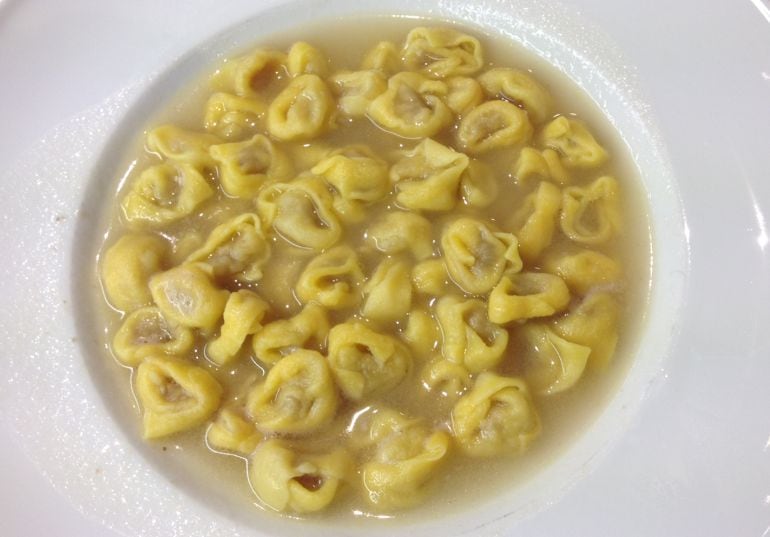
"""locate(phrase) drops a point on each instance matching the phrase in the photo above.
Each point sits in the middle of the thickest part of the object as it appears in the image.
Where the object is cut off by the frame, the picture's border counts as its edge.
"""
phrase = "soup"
(385, 274)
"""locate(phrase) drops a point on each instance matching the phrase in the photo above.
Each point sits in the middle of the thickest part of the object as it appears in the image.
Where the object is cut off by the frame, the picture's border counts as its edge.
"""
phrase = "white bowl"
(685, 429)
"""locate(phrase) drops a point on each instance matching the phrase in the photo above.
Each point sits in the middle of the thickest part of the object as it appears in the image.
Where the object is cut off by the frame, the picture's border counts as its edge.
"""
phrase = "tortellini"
(231, 431)
(289, 481)
(388, 292)
(243, 315)
(412, 106)
(365, 362)
(355, 90)
(526, 295)
(237, 248)
(551, 364)
(497, 416)
(298, 396)
(469, 337)
(244, 167)
(477, 256)
(442, 52)
(428, 176)
(305, 59)
(358, 177)
(175, 395)
(342, 270)
(402, 231)
(518, 87)
(164, 193)
(572, 139)
(492, 125)
(407, 454)
(584, 270)
(537, 220)
(545, 165)
(308, 329)
(332, 279)
(301, 212)
(146, 332)
(231, 116)
(431, 277)
(127, 267)
(593, 323)
(182, 146)
(448, 378)
(421, 333)
(249, 75)
(591, 215)
(187, 295)
(302, 110)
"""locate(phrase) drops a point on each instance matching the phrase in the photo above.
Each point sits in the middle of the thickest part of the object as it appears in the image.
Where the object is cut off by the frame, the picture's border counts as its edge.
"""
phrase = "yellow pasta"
(305, 59)
(492, 125)
(431, 277)
(428, 176)
(187, 295)
(384, 57)
(289, 481)
(478, 185)
(231, 117)
(164, 193)
(308, 329)
(232, 432)
(365, 362)
(236, 249)
(422, 333)
(358, 177)
(244, 167)
(572, 139)
(469, 338)
(536, 220)
(298, 396)
(302, 110)
(243, 315)
(591, 214)
(526, 295)
(495, 417)
(388, 293)
(407, 454)
(301, 212)
(355, 90)
(545, 165)
(448, 378)
(520, 88)
(145, 332)
(127, 267)
(175, 396)
(463, 94)
(551, 364)
(332, 279)
(412, 106)
(442, 52)
(182, 146)
(593, 323)
(476, 256)
(249, 75)
(402, 231)
(584, 270)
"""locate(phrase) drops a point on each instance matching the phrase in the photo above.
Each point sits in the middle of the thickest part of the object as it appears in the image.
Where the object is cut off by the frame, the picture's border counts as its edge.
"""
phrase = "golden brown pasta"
(388, 292)
(302, 110)
(308, 329)
(245, 167)
(591, 215)
(492, 125)
(520, 88)
(442, 52)
(526, 295)
(145, 332)
(572, 139)
(332, 279)
(127, 267)
(243, 315)
(535, 222)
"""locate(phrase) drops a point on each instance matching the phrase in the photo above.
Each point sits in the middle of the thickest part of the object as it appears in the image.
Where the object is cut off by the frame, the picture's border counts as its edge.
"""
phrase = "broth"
(461, 480)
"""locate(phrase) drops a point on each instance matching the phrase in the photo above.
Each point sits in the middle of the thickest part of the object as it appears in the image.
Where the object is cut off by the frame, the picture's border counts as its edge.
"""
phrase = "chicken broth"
(386, 288)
